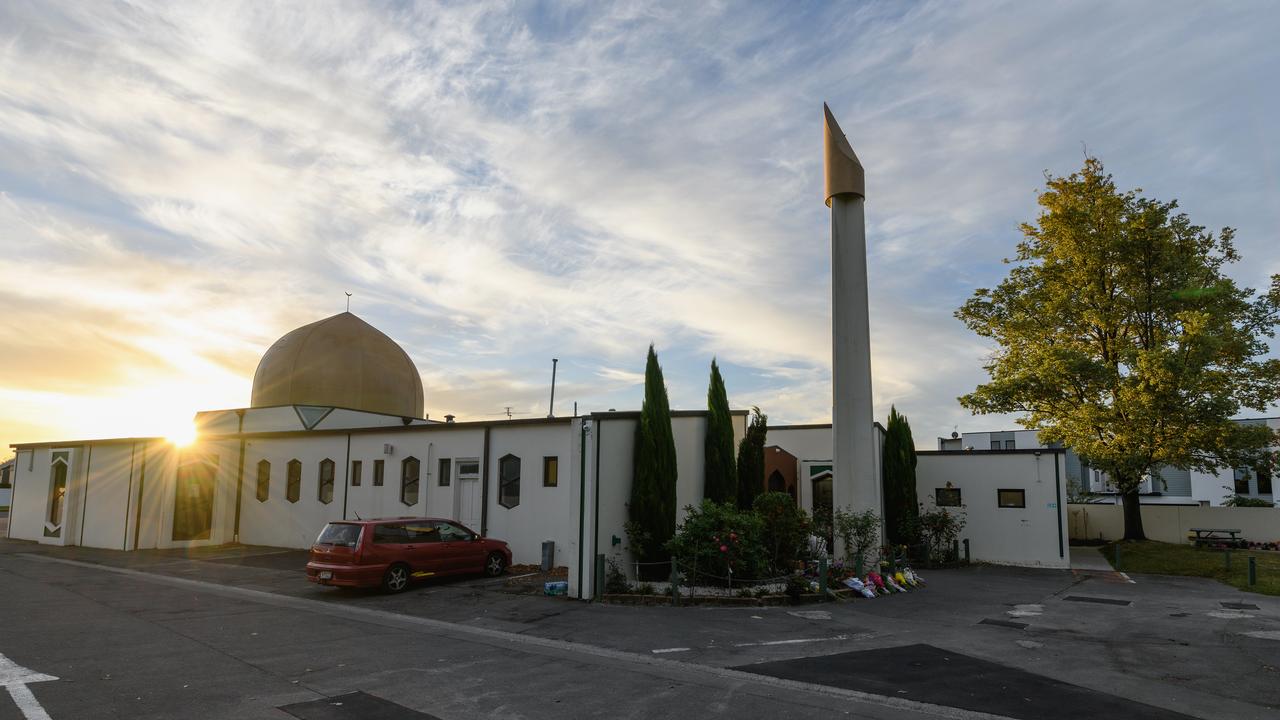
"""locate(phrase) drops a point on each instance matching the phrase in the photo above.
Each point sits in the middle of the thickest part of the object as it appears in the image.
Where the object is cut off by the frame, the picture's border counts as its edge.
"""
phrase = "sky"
(498, 184)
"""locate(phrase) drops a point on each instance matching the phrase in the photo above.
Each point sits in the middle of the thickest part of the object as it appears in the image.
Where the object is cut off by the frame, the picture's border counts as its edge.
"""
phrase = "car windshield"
(339, 534)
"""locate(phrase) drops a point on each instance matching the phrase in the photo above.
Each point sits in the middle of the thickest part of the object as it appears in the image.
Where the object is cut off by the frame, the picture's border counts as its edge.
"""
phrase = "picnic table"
(1215, 536)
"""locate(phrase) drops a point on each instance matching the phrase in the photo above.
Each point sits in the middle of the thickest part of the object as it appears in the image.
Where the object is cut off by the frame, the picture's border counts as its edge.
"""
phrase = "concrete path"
(1089, 559)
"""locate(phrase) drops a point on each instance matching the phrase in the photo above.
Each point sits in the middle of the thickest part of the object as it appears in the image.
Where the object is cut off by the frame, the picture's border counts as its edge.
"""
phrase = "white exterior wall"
(1033, 536)
(544, 513)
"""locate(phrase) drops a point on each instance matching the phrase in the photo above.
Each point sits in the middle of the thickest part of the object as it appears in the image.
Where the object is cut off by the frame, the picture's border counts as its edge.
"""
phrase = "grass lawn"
(1165, 559)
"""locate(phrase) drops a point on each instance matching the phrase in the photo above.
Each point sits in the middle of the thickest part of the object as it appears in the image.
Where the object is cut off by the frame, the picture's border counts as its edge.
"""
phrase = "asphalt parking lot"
(1011, 642)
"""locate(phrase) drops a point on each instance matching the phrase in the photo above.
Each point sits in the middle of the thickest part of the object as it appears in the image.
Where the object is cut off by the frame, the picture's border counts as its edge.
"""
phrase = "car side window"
(390, 534)
(422, 533)
(450, 532)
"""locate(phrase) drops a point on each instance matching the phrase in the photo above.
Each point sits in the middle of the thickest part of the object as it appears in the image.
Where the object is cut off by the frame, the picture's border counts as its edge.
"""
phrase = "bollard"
(822, 576)
(675, 585)
(966, 551)
(599, 583)
(1253, 570)
(955, 550)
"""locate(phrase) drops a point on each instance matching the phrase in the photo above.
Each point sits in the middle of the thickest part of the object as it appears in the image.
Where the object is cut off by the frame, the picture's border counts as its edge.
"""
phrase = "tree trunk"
(1133, 516)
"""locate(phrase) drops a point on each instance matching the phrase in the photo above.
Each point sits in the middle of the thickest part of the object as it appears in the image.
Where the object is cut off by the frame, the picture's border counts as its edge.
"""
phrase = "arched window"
(409, 468)
(293, 481)
(509, 481)
(325, 491)
(264, 480)
(57, 490)
(776, 483)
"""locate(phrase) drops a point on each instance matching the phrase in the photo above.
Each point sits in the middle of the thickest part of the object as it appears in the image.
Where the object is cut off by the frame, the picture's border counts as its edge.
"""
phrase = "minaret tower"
(853, 435)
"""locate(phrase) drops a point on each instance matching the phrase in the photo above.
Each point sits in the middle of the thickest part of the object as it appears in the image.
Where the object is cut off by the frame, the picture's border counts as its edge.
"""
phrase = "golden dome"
(340, 361)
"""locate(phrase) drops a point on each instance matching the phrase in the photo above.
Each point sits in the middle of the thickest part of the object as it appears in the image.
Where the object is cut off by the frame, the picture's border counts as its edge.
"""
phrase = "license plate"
(326, 575)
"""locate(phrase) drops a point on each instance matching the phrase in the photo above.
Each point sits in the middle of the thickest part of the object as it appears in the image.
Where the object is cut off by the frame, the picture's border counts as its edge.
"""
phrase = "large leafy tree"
(898, 475)
(721, 475)
(751, 460)
(1118, 334)
(652, 510)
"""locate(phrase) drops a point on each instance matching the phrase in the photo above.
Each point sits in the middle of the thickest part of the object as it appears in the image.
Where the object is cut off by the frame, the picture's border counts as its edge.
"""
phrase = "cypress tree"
(721, 477)
(751, 460)
(898, 480)
(653, 486)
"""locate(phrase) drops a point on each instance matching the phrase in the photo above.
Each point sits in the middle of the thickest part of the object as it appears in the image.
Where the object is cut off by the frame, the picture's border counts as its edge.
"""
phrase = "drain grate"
(1003, 623)
(1100, 601)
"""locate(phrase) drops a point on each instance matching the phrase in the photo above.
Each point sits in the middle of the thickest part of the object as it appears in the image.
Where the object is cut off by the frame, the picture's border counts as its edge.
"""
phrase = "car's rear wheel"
(495, 565)
(396, 578)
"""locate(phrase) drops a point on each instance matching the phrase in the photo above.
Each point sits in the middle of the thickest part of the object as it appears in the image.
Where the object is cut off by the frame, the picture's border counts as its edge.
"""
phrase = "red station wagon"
(392, 552)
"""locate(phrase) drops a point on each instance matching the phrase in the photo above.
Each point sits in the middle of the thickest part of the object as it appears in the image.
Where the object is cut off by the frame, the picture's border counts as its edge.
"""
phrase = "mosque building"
(336, 429)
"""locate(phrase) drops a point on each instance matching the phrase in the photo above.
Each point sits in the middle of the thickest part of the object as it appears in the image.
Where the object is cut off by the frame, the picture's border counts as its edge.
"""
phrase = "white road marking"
(796, 641)
(811, 614)
(668, 650)
(531, 643)
(1229, 614)
(1028, 610)
(14, 678)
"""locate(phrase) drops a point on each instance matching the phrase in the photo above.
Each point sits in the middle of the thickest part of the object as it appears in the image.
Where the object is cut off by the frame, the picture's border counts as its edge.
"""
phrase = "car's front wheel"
(396, 579)
(495, 565)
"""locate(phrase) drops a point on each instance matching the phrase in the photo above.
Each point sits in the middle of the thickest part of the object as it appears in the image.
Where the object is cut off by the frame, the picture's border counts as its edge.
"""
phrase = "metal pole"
(1253, 570)
(966, 551)
(551, 410)
(955, 550)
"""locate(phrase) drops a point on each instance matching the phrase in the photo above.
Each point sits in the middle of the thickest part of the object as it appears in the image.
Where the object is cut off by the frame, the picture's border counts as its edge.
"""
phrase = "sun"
(182, 434)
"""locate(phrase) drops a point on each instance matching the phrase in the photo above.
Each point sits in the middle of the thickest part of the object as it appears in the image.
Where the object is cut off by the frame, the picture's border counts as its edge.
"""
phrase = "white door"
(467, 500)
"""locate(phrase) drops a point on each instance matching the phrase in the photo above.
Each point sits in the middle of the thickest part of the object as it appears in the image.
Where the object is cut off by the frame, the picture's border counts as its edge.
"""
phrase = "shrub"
(858, 531)
(785, 532)
(939, 529)
(717, 538)
(615, 581)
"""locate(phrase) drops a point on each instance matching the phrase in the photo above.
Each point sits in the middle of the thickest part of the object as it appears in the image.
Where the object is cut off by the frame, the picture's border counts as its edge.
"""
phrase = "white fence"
(1171, 523)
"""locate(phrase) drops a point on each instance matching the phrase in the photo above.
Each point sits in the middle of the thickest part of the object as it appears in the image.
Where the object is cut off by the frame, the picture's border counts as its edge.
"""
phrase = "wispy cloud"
(499, 184)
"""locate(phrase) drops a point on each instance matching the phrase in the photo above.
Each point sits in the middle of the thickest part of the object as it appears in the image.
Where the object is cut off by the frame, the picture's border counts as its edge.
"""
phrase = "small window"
(550, 471)
(509, 481)
(1011, 498)
(995, 445)
(4, 476)
(445, 472)
(377, 473)
(390, 534)
(293, 482)
(1242, 481)
(325, 489)
(1009, 445)
(409, 468)
(357, 469)
(468, 469)
(264, 480)
(947, 497)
